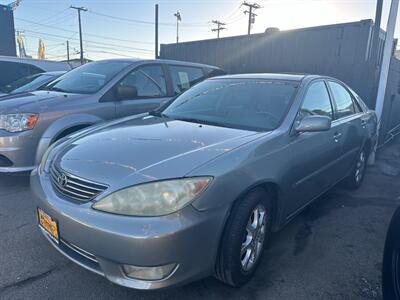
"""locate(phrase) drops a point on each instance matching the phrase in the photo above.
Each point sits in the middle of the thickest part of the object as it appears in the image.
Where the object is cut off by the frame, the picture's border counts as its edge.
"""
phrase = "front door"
(314, 154)
(148, 89)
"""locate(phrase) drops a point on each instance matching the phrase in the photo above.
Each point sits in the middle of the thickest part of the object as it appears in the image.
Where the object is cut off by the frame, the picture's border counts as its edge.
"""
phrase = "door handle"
(337, 136)
(364, 123)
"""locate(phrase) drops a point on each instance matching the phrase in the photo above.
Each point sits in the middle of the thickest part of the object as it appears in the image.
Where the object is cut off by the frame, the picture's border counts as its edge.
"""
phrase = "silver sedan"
(195, 188)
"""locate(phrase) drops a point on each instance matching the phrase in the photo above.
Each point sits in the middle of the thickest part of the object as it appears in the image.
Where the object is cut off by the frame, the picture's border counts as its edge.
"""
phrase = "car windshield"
(24, 84)
(250, 104)
(89, 78)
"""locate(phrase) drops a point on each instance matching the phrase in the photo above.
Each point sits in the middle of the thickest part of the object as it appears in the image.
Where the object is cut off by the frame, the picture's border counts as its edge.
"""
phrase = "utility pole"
(156, 32)
(376, 32)
(252, 15)
(384, 73)
(219, 27)
(68, 51)
(79, 9)
(178, 19)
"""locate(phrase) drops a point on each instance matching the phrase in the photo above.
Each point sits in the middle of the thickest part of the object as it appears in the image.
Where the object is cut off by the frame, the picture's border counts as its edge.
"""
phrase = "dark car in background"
(15, 68)
(30, 83)
(195, 188)
(92, 93)
(391, 260)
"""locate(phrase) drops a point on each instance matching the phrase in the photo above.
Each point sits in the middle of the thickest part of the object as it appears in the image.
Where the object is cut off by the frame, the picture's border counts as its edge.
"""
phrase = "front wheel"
(245, 236)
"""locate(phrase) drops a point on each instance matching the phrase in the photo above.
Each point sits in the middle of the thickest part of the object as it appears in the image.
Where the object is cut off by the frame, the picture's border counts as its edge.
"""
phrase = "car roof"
(174, 62)
(45, 65)
(271, 76)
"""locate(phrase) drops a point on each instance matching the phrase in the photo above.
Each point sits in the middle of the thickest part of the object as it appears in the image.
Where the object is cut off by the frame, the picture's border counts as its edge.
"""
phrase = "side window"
(316, 102)
(146, 82)
(183, 78)
(343, 100)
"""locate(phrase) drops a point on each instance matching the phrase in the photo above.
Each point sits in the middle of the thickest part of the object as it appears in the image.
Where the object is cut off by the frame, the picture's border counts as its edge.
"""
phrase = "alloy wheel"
(254, 238)
(360, 167)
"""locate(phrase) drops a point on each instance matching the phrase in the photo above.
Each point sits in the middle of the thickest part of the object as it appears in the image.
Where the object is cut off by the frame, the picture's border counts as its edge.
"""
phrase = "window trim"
(109, 97)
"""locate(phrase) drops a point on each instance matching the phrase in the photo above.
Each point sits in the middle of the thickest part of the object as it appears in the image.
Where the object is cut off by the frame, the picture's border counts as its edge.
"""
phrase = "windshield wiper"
(198, 121)
(56, 89)
(159, 114)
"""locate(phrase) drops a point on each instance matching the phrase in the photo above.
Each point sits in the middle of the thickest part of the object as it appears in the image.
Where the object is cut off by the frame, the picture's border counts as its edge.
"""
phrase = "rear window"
(211, 72)
(183, 77)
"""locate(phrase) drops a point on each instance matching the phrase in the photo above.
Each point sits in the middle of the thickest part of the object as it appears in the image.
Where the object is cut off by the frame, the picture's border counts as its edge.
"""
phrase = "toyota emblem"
(62, 180)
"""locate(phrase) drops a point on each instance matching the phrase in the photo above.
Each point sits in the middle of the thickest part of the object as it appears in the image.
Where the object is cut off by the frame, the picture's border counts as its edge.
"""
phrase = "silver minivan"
(92, 93)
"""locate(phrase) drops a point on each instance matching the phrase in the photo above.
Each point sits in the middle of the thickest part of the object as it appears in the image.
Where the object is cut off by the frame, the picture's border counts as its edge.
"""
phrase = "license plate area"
(49, 225)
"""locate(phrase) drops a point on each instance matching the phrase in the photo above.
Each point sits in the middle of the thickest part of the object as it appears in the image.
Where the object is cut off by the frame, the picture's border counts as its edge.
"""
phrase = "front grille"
(75, 187)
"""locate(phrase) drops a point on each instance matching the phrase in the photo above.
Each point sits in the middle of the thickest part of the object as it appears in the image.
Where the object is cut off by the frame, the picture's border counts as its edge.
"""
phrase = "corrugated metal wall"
(340, 50)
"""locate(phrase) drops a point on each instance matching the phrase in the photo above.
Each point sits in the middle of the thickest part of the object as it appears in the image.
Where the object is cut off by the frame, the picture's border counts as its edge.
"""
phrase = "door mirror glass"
(125, 92)
(314, 124)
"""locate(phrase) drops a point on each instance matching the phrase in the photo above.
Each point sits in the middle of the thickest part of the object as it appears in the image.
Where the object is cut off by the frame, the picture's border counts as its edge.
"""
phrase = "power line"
(47, 19)
(252, 15)
(63, 37)
(144, 22)
(219, 27)
(89, 34)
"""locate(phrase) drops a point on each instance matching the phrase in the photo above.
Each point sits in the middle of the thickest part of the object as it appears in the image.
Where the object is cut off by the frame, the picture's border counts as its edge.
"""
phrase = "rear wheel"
(244, 239)
(356, 177)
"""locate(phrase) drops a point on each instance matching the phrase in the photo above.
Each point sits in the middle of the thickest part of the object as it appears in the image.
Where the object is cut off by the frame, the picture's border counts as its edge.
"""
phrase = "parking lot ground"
(333, 250)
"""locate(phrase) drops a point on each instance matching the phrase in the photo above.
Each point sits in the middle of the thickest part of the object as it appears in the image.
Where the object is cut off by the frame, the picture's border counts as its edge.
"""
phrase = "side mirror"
(125, 92)
(314, 124)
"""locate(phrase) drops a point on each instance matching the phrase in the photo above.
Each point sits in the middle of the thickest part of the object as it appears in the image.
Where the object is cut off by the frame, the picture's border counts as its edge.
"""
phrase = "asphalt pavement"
(333, 250)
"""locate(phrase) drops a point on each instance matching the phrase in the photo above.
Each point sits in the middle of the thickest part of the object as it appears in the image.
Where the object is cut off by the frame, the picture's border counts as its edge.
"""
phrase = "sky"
(126, 28)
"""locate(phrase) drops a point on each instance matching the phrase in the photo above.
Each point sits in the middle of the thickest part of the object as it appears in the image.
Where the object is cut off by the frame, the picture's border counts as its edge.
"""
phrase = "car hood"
(146, 148)
(35, 102)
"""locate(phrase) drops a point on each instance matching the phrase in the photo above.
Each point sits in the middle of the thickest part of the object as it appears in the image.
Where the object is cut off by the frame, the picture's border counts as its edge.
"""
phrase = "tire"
(232, 259)
(356, 177)
(391, 261)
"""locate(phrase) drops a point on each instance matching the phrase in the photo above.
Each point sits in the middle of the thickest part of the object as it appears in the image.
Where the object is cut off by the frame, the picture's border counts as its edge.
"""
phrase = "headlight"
(155, 198)
(18, 122)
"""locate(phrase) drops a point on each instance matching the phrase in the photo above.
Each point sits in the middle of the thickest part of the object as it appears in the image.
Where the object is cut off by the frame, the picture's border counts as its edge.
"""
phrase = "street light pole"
(178, 19)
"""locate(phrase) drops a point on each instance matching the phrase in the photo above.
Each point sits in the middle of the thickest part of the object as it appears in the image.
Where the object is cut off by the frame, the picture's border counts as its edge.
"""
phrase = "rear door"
(314, 154)
(350, 124)
(150, 83)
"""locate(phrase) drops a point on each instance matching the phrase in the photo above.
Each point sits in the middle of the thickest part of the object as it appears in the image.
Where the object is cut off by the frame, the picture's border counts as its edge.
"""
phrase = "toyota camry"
(196, 187)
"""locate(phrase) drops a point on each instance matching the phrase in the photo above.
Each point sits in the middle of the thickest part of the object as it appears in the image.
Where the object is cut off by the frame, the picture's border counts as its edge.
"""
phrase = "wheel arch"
(62, 127)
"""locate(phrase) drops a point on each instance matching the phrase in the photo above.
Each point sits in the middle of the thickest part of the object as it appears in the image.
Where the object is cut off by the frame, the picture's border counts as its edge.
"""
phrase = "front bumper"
(18, 150)
(102, 242)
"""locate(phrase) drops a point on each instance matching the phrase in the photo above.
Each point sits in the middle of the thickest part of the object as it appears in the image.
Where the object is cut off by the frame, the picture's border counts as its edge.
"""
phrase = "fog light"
(149, 273)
